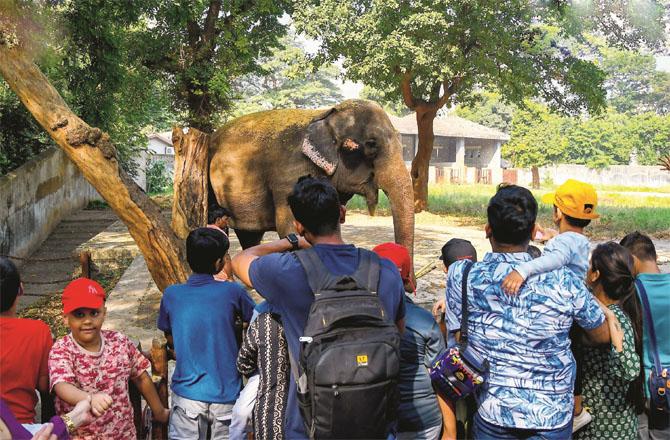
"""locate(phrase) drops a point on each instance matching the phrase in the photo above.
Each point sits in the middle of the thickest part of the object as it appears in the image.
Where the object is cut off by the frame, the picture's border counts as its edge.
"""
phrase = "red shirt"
(24, 353)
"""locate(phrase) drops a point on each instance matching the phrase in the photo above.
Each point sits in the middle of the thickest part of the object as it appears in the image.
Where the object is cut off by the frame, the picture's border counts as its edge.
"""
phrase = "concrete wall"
(626, 175)
(35, 197)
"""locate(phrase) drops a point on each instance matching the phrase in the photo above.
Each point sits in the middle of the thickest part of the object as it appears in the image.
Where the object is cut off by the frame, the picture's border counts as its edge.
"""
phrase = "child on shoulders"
(98, 363)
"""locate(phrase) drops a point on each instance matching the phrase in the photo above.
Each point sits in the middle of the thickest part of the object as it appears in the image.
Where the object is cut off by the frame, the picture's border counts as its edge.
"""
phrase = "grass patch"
(97, 205)
(620, 213)
(49, 308)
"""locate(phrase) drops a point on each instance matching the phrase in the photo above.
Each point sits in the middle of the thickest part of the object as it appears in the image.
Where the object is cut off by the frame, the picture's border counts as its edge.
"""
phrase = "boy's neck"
(649, 266)
(93, 346)
(11, 313)
(564, 226)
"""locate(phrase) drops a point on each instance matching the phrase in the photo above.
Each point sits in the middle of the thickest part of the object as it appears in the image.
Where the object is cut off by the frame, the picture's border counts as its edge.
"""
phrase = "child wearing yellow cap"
(574, 207)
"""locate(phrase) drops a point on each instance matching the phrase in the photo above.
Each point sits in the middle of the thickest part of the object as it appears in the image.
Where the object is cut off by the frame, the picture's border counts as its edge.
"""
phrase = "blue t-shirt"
(657, 286)
(281, 280)
(200, 314)
(420, 344)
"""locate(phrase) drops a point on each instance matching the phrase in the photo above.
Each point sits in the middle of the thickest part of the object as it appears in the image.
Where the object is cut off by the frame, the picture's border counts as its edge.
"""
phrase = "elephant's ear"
(320, 145)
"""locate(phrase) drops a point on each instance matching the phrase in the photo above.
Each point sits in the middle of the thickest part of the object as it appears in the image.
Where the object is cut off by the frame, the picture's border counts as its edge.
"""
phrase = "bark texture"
(535, 172)
(93, 153)
(191, 174)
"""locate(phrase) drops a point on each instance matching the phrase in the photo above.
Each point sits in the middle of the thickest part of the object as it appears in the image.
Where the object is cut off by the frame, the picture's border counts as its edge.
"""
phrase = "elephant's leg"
(249, 238)
(283, 219)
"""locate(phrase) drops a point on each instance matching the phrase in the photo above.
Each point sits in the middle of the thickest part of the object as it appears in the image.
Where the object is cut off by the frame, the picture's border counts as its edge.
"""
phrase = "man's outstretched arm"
(242, 261)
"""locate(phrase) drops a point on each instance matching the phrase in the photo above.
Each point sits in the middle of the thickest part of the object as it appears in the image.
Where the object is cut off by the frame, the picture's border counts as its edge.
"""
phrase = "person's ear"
(558, 213)
(534, 231)
(445, 269)
(104, 311)
(299, 228)
(594, 276)
(636, 266)
(488, 231)
(343, 214)
(65, 322)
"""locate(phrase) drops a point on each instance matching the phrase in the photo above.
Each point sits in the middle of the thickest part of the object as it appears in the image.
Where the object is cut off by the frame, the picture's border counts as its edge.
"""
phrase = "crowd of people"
(569, 339)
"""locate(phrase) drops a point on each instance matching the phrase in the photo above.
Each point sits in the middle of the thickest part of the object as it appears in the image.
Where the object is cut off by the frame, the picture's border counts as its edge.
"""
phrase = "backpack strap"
(318, 276)
(646, 310)
(320, 279)
(464, 304)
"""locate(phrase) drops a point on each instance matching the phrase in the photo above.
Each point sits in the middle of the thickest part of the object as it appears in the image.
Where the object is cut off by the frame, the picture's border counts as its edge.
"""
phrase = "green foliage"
(199, 48)
(158, 177)
(20, 136)
(522, 48)
(286, 81)
(490, 110)
(540, 137)
(394, 107)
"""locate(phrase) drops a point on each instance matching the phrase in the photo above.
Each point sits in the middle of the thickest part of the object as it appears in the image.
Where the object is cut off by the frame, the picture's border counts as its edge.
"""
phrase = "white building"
(159, 147)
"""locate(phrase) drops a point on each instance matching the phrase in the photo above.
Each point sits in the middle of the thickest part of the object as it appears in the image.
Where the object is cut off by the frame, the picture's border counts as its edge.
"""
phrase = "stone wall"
(35, 197)
(625, 175)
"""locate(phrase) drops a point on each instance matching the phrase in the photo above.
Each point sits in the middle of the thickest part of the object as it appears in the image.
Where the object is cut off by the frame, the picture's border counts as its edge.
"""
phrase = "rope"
(41, 260)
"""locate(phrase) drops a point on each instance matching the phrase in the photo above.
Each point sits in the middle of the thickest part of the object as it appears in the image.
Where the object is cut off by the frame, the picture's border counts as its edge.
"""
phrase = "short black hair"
(217, 211)
(511, 213)
(577, 222)
(10, 282)
(315, 204)
(203, 247)
(534, 251)
(640, 245)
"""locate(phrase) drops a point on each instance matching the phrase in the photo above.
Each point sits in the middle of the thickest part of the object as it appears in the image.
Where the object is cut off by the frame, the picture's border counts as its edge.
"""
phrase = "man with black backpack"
(339, 304)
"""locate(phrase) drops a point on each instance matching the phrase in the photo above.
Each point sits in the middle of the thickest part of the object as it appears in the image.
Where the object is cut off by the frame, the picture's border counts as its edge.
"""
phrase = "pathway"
(51, 266)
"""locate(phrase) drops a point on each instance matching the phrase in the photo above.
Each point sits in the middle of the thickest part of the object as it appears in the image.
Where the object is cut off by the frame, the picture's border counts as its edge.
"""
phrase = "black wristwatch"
(293, 239)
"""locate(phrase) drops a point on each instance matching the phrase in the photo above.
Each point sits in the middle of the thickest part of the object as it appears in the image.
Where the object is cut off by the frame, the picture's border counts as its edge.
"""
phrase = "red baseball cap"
(399, 255)
(83, 293)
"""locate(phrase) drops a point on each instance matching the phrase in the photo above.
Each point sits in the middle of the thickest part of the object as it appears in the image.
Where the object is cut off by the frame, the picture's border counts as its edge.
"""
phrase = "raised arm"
(242, 261)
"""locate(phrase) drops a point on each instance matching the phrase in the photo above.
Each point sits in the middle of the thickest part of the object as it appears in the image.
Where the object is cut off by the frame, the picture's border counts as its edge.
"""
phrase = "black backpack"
(349, 354)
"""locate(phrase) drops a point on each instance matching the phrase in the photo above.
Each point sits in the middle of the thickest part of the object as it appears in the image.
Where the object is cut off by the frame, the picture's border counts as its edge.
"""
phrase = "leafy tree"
(633, 84)
(158, 177)
(490, 110)
(286, 81)
(436, 53)
(200, 47)
(394, 107)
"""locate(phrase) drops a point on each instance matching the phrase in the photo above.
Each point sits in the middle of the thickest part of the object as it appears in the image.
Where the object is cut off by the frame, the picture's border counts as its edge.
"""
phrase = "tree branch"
(449, 90)
(406, 89)
(209, 30)
(93, 153)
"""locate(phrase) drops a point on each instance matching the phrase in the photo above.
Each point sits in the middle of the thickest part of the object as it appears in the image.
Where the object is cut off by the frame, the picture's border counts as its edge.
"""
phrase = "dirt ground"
(431, 232)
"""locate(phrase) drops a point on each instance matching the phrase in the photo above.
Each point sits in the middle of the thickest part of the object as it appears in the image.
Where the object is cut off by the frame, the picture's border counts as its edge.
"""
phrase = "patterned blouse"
(607, 375)
(264, 349)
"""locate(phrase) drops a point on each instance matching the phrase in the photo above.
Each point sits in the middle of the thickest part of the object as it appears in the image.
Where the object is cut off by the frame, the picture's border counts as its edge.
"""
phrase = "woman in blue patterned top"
(612, 386)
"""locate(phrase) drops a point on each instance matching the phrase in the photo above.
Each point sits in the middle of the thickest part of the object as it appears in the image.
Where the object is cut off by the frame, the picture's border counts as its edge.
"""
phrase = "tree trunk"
(536, 177)
(421, 162)
(191, 166)
(93, 153)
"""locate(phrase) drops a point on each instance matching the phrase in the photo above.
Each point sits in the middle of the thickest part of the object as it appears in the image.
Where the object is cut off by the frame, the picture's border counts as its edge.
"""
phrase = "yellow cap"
(575, 199)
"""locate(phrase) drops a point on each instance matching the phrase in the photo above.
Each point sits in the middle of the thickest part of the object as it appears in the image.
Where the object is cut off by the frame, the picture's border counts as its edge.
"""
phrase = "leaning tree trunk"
(93, 153)
(191, 169)
(535, 172)
(421, 162)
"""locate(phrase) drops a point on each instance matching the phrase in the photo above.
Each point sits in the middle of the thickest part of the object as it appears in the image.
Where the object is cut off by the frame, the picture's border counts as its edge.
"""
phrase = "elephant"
(256, 159)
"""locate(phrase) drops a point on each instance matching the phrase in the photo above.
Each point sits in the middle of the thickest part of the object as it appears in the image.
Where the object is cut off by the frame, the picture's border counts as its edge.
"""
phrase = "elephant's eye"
(370, 148)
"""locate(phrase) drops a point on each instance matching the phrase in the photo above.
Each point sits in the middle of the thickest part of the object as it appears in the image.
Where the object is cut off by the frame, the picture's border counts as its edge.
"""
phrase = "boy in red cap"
(98, 363)
(421, 412)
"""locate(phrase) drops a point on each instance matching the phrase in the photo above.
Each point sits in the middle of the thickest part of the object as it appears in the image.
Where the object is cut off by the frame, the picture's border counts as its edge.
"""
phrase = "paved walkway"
(51, 266)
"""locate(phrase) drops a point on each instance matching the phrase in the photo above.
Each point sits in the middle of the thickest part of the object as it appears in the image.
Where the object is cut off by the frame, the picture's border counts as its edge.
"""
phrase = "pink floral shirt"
(106, 371)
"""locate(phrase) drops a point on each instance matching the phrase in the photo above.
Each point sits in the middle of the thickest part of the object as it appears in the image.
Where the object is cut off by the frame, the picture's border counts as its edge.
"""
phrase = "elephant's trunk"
(394, 179)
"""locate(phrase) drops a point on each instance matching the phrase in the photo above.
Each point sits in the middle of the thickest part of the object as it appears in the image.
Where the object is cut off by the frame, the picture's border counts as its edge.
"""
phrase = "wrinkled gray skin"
(256, 159)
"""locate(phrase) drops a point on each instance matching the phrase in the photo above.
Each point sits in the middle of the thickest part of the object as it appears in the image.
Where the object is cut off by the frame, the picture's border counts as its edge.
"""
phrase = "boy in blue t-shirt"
(652, 422)
(198, 318)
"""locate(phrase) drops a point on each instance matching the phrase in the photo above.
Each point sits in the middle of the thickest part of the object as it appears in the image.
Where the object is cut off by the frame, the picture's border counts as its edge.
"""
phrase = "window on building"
(407, 141)
(444, 150)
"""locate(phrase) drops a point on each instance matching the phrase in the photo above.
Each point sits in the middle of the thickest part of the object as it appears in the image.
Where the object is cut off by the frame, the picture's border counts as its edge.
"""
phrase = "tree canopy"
(285, 80)
(436, 53)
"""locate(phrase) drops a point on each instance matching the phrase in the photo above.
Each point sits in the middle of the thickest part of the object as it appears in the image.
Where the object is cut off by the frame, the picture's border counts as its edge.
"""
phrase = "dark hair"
(10, 282)
(315, 204)
(639, 245)
(511, 214)
(534, 251)
(203, 247)
(577, 222)
(215, 212)
(615, 264)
